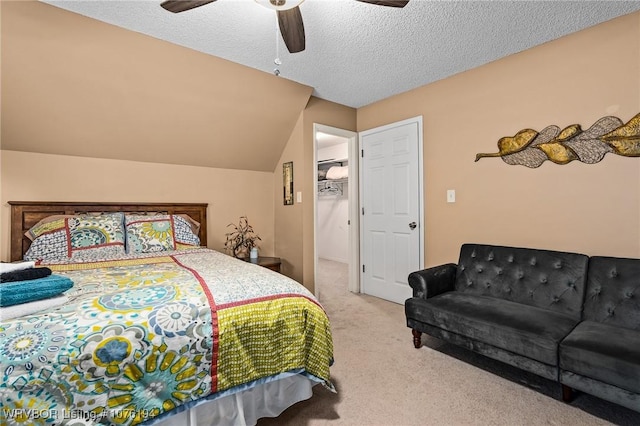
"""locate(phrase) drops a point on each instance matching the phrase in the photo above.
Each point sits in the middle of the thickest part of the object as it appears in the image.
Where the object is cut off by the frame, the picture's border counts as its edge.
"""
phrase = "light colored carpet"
(383, 380)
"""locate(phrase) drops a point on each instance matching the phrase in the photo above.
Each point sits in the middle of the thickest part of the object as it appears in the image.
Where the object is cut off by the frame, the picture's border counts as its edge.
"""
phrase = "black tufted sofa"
(601, 356)
(525, 307)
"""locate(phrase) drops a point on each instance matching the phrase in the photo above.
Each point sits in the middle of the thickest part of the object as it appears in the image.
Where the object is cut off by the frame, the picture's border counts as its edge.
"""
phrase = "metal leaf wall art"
(609, 134)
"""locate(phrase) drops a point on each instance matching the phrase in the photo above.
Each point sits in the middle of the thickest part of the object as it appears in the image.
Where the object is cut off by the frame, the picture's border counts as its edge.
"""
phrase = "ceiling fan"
(289, 16)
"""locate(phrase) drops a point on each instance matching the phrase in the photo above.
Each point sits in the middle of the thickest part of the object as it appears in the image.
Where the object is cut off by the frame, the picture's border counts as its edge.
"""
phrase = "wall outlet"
(451, 195)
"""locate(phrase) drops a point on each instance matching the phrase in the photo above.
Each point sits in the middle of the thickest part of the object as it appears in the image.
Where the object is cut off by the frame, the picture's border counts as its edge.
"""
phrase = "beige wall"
(230, 193)
(594, 209)
(294, 225)
(286, 231)
(288, 219)
(97, 90)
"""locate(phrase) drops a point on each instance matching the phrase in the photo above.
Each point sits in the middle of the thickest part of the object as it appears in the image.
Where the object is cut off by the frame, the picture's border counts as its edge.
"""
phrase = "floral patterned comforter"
(144, 335)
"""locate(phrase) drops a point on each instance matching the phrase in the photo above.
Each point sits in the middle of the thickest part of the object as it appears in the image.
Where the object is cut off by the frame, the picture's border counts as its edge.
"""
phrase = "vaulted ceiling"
(357, 53)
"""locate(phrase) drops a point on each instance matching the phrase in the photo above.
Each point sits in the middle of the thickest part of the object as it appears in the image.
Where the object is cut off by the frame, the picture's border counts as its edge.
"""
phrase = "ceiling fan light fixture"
(279, 4)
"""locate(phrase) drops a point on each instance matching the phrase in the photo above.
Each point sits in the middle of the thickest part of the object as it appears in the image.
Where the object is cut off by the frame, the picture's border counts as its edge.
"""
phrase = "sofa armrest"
(433, 281)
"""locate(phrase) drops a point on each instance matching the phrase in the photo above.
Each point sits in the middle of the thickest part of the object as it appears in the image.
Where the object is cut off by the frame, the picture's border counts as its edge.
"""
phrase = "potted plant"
(242, 239)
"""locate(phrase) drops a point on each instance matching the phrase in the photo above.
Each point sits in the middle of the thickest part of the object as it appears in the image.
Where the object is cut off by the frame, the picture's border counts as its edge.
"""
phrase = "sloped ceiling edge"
(72, 85)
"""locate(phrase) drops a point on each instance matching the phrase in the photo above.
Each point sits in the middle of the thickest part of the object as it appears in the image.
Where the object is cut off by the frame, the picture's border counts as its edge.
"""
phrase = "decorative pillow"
(96, 236)
(50, 245)
(148, 234)
(78, 237)
(46, 225)
(153, 233)
(186, 231)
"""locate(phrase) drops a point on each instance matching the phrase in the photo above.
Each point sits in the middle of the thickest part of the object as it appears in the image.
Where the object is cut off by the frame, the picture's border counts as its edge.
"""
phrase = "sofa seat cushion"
(521, 329)
(603, 352)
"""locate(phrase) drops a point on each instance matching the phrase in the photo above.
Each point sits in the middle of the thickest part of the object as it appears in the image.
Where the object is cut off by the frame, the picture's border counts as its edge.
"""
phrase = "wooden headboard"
(25, 214)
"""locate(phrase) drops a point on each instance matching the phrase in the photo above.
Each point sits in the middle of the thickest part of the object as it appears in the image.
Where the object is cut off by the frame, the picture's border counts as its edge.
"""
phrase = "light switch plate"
(451, 195)
(299, 196)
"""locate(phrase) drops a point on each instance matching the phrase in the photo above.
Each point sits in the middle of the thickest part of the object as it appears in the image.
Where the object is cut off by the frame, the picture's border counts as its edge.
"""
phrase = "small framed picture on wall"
(287, 178)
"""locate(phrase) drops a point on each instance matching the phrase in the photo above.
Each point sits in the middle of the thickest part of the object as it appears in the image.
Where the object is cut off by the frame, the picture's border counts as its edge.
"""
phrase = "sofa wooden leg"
(567, 393)
(416, 338)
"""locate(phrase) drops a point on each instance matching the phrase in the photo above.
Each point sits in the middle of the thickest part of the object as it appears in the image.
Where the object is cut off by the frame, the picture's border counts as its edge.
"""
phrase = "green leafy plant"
(242, 239)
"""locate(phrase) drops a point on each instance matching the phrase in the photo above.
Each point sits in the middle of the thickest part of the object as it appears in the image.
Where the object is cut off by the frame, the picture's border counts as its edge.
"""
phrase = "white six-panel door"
(391, 209)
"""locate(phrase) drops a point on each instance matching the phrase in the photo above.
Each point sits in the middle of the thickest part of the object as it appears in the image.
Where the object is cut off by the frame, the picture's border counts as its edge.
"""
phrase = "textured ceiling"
(358, 53)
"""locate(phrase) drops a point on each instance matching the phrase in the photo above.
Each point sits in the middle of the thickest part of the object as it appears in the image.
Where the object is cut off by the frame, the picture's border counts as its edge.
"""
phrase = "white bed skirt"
(246, 407)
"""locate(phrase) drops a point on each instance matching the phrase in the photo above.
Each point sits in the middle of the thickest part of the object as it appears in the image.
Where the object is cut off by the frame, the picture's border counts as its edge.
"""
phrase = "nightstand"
(272, 263)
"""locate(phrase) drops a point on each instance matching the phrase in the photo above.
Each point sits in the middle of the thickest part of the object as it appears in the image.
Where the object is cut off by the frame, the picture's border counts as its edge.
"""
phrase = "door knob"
(412, 225)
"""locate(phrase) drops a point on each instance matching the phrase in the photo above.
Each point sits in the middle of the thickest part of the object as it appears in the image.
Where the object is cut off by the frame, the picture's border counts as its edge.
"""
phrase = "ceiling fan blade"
(390, 3)
(177, 6)
(292, 29)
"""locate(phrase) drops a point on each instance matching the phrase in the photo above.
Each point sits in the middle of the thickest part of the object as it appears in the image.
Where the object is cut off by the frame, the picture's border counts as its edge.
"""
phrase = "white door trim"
(421, 214)
(354, 218)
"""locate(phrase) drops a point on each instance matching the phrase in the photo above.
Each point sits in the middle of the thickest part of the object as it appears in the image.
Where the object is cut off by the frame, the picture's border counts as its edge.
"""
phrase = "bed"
(174, 336)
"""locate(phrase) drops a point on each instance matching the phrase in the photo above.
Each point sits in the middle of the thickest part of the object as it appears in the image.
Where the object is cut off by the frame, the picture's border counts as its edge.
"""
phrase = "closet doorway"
(336, 220)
